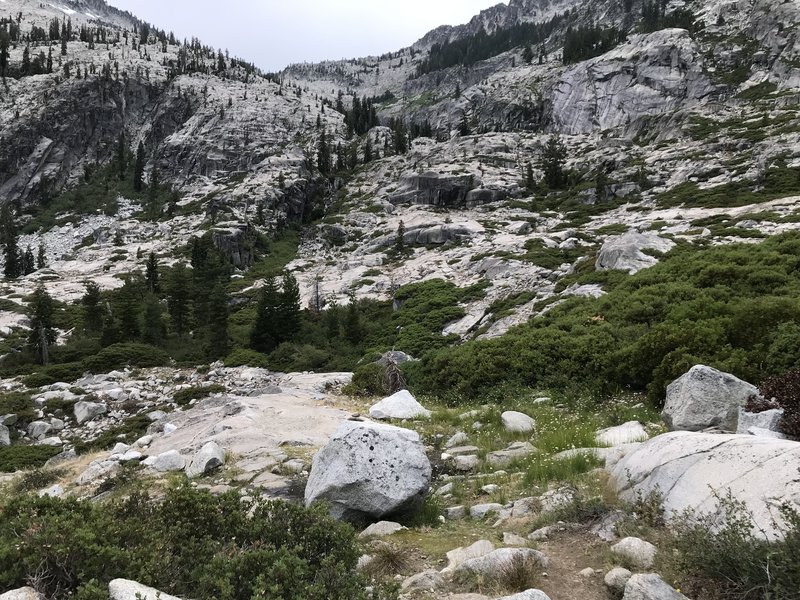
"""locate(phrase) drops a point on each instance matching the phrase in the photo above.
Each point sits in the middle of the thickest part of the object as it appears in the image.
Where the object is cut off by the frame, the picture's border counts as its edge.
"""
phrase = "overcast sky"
(274, 33)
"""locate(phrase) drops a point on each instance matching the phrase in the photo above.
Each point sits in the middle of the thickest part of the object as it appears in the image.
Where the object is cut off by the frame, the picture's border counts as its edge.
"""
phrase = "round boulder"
(517, 422)
(401, 405)
(369, 470)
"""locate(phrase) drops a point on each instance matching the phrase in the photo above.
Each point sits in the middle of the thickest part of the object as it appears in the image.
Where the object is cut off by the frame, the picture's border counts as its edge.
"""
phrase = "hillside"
(561, 209)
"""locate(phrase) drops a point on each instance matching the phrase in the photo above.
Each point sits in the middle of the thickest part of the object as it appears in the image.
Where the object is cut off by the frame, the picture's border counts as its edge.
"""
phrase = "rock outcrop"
(123, 589)
(625, 252)
(705, 397)
(693, 471)
(401, 405)
(369, 470)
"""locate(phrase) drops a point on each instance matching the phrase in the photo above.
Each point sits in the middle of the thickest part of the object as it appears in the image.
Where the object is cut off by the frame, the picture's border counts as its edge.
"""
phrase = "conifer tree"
(128, 312)
(527, 54)
(121, 157)
(529, 181)
(553, 160)
(352, 322)
(42, 334)
(151, 274)
(368, 152)
(288, 309)
(323, 154)
(5, 43)
(28, 262)
(138, 169)
(93, 312)
(178, 293)
(8, 237)
(263, 335)
(331, 321)
(153, 207)
(41, 257)
(153, 326)
(110, 330)
(218, 343)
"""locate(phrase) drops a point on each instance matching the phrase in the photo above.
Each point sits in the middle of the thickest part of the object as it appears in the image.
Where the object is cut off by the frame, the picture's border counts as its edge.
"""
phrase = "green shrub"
(19, 404)
(724, 557)
(20, 457)
(185, 396)
(119, 356)
(128, 431)
(246, 358)
(367, 381)
(37, 479)
(191, 544)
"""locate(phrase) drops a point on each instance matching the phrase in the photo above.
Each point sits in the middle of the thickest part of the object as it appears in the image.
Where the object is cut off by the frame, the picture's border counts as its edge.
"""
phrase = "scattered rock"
(628, 433)
(587, 572)
(457, 557)
(515, 451)
(769, 420)
(26, 593)
(704, 397)
(479, 511)
(458, 439)
(527, 595)
(54, 491)
(210, 457)
(462, 451)
(86, 411)
(497, 560)
(640, 553)
(455, 513)
(122, 589)
(616, 579)
(650, 587)
(425, 581)
(554, 500)
(517, 422)
(466, 463)
(5, 436)
(168, 462)
(401, 405)
(512, 539)
(37, 430)
(369, 469)
(381, 529)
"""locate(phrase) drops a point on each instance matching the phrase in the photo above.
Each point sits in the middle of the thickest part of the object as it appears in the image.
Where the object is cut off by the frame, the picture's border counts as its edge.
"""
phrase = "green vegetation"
(732, 307)
(190, 544)
(185, 396)
(19, 457)
(128, 431)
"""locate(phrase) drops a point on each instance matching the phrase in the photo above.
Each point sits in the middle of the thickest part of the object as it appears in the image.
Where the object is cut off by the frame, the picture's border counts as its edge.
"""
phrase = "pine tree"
(553, 160)
(128, 312)
(368, 152)
(64, 47)
(527, 54)
(178, 299)
(5, 43)
(138, 169)
(26, 61)
(457, 92)
(530, 183)
(152, 324)
(218, 343)
(151, 274)
(352, 322)
(323, 154)
(121, 161)
(263, 335)
(8, 237)
(28, 262)
(288, 309)
(601, 184)
(400, 241)
(331, 321)
(463, 126)
(41, 257)
(93, 311)
(153, 208)
(42, 334)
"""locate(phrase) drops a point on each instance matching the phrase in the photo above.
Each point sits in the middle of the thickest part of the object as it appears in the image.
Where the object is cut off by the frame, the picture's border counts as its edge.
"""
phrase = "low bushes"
(191, 544)
(785, 390)
(185, 396)
(19, 457)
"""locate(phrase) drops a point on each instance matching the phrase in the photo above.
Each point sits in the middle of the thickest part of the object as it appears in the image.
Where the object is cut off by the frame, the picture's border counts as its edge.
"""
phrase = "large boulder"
(650, 587)
(122, 589)
(5, 436)
(401, 405)
(527, 595)
(693, 470)
(638, 552)
(624, 252)
(86, 411)
(627, 433)
(499, 560)
(369, 470)
(208, 458)
(517, 422)
(704, 397)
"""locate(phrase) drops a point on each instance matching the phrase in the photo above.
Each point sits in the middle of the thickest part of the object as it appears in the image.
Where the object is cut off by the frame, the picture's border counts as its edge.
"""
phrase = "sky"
(275, 33)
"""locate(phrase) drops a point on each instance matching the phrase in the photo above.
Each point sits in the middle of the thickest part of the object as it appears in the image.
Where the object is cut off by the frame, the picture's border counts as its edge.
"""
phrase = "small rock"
(455, 513)
(86, 411)
(516, 451)
(641, 553)
(517, 422)
(587, 572)
(169, 461)
(628, 433)
(466, 463)
(490, 489)
(26, 593)
(479, 511)
(51, 441)
(401, 405)
(143, 441)
(207, 459)
(497, 560)
(650, 587)
(512, 539)
(122, 589)
(444, 490)
(381, 529)
(5, 436)
(557, 499)
(616, 579)
(528, 595)
(458, 439)
(120, 448)
(294, 466)
(425, 581)
(457, 557)
(37, 430)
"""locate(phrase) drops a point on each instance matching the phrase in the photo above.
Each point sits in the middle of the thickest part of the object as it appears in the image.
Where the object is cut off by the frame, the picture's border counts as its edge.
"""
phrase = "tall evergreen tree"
(353, 330)
(121, 159)
(5, 43)
(218, 343)
(138, 169)
(323, 154)
(178, 294)
(128, 305)
(153, 208)
(93, 312)
(41, 257)
(288, 309)
(263, 336)
(28, 262)
(553, 159)
(8, 237)
(153, 326)
(43, 334)
(527, 54)
(151, 274)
